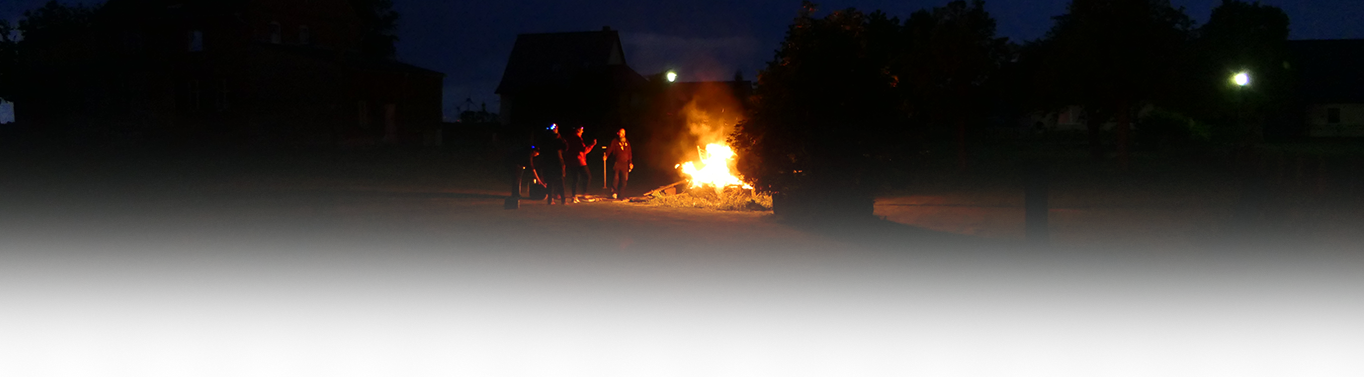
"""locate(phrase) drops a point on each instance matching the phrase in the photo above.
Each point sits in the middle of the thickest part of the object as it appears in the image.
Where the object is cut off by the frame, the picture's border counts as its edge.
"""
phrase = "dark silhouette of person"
(620, 149)
(522, 158)
(577, 167)
(551, 168)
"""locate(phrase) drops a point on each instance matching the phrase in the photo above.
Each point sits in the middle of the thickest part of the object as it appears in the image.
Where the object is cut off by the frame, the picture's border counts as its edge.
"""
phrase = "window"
(196, 41)
(304, 35)
(1333, 115)
(364, 114)
(274, 33)
(222, 96)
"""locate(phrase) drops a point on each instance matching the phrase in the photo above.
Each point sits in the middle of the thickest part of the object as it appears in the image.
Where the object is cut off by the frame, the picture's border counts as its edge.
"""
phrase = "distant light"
(672, 76)
(1241, 79)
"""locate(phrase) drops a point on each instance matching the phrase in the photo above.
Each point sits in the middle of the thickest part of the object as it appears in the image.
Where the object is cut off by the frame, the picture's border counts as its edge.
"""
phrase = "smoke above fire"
(711, 115)
(709, 111)
(709, 126)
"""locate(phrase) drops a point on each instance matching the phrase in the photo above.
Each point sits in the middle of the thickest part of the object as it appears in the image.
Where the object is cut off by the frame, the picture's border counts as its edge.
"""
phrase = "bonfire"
(730, 192)
(714, 169)
(710, 181)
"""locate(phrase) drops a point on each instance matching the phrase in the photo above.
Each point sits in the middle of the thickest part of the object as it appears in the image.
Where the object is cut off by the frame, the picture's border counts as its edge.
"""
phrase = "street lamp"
(1241, 79)
(672, 76)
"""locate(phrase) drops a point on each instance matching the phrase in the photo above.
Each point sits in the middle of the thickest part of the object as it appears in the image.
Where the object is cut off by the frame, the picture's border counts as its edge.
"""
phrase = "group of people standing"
(557, 157)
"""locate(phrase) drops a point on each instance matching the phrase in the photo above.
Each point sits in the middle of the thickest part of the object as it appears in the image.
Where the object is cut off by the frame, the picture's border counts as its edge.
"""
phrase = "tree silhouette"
(380, 27)
(9, 58)
(951, 53)
(1114, 56)
(825, 112)
(51, 26)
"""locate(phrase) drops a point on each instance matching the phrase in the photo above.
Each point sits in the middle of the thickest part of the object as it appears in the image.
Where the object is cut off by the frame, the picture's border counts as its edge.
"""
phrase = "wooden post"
(660, 189)
(1035, 205)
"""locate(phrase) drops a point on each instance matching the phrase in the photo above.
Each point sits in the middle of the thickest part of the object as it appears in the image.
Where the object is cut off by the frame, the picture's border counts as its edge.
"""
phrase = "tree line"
(851, 95)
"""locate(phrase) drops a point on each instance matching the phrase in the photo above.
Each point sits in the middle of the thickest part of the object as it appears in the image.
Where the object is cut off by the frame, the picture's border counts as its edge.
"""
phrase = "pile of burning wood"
(711, 185)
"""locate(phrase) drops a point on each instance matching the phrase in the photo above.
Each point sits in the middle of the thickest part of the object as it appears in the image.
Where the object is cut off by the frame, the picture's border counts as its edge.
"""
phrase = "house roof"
(557, 58)
(1329, 71)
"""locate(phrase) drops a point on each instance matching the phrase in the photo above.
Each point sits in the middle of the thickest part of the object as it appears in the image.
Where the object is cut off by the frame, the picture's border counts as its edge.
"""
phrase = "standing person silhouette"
(577, 167)
(521, 158)
(552, 169)
(620, 149)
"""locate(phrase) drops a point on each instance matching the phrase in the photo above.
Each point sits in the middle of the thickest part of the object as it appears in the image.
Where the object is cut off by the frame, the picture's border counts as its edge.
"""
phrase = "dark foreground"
(294, 264)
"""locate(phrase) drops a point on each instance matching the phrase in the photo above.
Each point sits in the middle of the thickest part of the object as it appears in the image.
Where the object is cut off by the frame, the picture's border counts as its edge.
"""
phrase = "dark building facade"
(250, 71)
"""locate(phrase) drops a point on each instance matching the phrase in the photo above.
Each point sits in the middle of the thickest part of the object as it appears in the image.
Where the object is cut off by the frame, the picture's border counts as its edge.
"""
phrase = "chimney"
(605, 28)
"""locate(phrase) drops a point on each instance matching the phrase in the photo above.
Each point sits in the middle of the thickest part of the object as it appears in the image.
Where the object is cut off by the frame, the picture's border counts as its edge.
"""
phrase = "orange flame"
(714, 169)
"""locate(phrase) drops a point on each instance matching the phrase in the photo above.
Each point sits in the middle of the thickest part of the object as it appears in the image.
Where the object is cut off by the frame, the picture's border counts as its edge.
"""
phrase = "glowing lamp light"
(1241, 79)
(672, 76)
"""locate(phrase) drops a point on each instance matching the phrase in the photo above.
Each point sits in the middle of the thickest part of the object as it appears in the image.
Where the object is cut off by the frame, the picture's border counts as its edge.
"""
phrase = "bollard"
(1035, 205)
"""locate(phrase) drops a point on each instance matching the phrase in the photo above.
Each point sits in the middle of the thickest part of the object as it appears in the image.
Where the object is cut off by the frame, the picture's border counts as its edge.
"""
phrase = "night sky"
(703, 39)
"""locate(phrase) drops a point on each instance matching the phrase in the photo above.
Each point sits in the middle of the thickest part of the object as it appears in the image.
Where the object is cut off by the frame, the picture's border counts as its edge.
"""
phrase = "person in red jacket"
(620, 149)
(577, 167)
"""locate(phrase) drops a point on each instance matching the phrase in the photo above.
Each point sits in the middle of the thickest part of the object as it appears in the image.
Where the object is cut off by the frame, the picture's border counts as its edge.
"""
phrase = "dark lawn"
(388, 264)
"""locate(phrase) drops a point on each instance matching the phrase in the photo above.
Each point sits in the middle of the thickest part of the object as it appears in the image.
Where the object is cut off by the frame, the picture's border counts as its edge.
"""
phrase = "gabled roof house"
(574, 77)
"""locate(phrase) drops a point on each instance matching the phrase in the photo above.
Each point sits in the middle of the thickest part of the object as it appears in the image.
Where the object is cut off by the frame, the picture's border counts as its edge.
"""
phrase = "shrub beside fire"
(825, 121)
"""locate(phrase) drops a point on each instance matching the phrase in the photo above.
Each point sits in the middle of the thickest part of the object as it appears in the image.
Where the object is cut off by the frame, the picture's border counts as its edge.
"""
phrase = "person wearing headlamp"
(551, 169)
